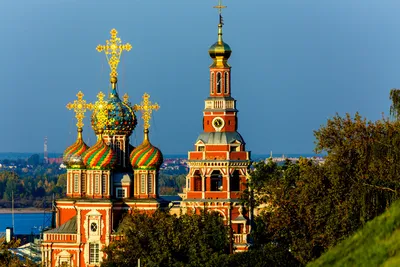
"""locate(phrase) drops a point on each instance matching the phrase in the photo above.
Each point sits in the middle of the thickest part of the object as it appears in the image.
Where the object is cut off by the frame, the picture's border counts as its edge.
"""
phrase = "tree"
(306, 207)
(161, 239)
(395, 106)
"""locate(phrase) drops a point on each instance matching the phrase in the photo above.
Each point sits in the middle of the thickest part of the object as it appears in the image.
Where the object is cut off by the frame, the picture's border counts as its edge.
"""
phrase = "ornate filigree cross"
(80, 106)
(126, 99)
(101, 108)
(146, 107)
(113, 50)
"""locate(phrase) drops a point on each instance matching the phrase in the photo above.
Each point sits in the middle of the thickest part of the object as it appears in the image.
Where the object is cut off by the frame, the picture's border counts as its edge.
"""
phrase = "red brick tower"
(219, 163)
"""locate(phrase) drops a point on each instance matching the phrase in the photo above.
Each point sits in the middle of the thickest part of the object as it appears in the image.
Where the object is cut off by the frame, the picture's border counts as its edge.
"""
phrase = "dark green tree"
(161, 239)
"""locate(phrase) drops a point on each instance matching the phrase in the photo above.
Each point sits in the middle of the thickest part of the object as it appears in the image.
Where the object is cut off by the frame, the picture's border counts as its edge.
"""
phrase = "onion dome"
(100, 156)
(115, 116)
(72, 156)
(220, 51)
(146, 156)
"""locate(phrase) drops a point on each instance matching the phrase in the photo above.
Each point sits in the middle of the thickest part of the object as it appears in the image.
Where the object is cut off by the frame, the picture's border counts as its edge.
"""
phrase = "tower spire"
(113, 50)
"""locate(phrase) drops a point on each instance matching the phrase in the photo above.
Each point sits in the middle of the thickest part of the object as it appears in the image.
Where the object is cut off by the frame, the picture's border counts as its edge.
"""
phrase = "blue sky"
(294, 65)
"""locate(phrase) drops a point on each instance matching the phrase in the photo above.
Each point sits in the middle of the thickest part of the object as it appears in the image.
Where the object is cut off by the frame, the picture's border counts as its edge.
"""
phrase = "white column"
(203, 186)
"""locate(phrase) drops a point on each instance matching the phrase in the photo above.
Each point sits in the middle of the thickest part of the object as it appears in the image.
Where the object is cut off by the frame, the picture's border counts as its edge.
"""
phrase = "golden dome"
(220, 51)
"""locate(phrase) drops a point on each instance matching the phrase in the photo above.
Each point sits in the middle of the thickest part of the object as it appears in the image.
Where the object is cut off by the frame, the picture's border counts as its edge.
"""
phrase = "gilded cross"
(220, 7)
(126, 99)
(146, 107)
(79, 106)
(101, 109)
(113, 50)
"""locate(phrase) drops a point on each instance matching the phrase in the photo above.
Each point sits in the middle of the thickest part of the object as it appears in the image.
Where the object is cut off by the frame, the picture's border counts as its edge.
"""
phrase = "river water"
(25, 223)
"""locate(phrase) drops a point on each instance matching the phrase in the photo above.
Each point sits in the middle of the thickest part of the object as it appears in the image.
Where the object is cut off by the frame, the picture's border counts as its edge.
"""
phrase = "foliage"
(7, 258)
(30, 185)
(395, 106)
(161, 239)
(171, 184)
(376, 244)
(306, 207)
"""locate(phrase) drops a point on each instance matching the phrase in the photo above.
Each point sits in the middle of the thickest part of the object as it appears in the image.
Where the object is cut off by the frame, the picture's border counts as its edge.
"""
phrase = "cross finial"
(80, 106)
(101, 109)
(146, 107)
(126, 99)
(113, 50)
(220, 7)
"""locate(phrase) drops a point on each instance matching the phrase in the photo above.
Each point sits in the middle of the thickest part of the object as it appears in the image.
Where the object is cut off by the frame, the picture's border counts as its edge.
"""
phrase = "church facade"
(112, 178)
(106, 180)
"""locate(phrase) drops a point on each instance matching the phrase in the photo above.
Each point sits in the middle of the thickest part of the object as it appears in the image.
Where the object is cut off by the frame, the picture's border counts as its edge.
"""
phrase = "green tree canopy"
(306, 207)
(161, 239)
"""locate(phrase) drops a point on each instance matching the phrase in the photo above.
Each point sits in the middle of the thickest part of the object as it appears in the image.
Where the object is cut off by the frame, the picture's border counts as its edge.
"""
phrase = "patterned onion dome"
(146, 156)
(100, 156)
(120, 118)
(73, 154)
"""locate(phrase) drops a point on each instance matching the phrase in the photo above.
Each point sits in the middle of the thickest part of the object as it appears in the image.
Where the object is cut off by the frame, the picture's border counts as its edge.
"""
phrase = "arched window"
(212, 83)
(235, 181)
(197, 182)
(226, 83)
(219, 82)
(216, 181)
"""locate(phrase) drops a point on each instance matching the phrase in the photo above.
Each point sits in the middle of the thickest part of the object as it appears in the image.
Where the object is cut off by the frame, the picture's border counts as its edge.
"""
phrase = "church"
(112, 178)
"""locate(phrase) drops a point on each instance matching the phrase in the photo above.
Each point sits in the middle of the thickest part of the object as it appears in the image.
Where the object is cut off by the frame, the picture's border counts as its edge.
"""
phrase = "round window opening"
(93, 227)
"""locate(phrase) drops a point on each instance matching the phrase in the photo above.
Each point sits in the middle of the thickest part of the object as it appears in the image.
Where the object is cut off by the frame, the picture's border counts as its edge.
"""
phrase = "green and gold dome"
(220, 49)
(146, 156)
(72, 156)
(116, 117)
(100, 156)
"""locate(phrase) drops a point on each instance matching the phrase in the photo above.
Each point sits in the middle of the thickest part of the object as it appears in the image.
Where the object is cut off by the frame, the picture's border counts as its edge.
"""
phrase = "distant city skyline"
(294, 65)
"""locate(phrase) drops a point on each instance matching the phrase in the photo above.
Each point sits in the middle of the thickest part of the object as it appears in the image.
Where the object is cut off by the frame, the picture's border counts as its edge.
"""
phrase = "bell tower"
(219, 162)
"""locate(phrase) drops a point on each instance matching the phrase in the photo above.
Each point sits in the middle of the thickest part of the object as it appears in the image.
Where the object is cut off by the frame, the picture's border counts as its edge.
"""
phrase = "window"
(142, 183)
(150, 183)
(200, 148)
(96, 183)
(119, 151)
(235, 181)
(197, 183)
(93, 253)
(212, 83)
(121, 193)
(216, 181)
(93, 227)
(104, 184)
(219, 83)
(234, 148)
(76, 183)
(226, 83)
